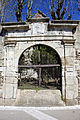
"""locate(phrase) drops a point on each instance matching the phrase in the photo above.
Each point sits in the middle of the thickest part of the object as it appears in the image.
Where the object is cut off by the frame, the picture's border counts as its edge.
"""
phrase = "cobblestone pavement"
(40, 113)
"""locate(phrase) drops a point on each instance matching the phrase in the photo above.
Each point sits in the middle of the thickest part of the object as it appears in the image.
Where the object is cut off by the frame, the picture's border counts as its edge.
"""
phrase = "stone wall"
(77, 59)
(63, 36)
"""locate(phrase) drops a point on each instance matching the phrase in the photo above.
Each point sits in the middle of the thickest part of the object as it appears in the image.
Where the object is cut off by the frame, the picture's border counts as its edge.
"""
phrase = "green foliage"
(63, 99)
(47, 54)
(40, 55)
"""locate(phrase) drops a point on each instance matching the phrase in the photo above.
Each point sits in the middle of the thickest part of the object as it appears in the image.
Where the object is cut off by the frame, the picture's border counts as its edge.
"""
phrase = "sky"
(43, 6)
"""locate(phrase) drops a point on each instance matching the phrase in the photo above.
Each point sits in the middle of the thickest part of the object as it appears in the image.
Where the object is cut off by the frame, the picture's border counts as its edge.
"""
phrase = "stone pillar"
(1, 67)
(77, 60)
(10, 79)
(70, 76)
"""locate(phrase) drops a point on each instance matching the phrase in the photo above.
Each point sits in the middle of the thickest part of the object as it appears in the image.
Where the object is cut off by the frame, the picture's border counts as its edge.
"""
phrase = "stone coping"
(66, 21)
(58, 22)
(52, 21)
(46, 19)
(13, 23)
(71, 24)
(15, 27)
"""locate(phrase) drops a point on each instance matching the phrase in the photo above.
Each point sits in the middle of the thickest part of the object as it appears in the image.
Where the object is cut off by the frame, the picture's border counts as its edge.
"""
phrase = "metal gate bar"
(39, 66)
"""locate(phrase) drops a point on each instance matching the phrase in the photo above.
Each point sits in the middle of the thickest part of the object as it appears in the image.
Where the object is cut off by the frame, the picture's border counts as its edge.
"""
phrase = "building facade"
(62, 36)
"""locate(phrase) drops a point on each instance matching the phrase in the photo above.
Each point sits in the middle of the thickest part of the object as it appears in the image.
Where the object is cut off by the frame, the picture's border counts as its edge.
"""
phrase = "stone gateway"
(63, 37)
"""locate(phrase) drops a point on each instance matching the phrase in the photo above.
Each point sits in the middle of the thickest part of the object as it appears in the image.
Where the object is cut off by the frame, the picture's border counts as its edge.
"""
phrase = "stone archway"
(40, 65)
(30, 86)
(58, 35)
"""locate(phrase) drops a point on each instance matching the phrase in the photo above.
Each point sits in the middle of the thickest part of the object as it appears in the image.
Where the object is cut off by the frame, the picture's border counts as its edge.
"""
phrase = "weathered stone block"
(11, 80)
(70, 91)
(38, 28)
(69, 61)
(71, 102)
(39, 98)
(75, 90)
(69, 80)
(9, 90)
(10, 73)
(69, 51)
(1, 62)
(1, 102)
(60, 52)
(77, 67)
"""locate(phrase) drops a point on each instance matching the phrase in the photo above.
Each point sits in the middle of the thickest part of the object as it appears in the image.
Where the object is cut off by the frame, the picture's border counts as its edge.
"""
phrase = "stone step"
(39, 98)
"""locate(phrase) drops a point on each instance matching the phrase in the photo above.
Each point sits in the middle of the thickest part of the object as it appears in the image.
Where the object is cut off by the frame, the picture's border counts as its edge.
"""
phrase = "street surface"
(39, 113)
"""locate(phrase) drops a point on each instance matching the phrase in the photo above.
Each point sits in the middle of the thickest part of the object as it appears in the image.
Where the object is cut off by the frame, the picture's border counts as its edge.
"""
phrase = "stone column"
(10, 79)
(70, 77)
(77, 60)
(1, 66)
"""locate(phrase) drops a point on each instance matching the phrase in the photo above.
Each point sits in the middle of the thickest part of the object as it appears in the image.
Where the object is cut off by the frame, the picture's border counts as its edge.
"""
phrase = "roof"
(39, 14)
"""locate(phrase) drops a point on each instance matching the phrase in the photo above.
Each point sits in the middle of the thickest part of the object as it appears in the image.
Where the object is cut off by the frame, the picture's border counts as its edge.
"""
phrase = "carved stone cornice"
(68, 41)
(15, 26)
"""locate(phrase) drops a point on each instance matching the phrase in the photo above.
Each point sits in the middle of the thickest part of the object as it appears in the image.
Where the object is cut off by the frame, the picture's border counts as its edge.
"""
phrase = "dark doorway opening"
(39, 68)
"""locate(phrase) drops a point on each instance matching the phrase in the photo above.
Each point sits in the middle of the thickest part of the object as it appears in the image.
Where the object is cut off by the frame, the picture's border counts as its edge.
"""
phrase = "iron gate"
(47, 75)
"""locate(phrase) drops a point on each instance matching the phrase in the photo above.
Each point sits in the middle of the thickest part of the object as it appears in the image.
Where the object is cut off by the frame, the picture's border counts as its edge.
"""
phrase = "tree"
(16, 8)
(3, 4)
(20, 6)
(40, 55)
(78, 5)
(19, 10)
(0, 10)
(22, 10)
(62, 9)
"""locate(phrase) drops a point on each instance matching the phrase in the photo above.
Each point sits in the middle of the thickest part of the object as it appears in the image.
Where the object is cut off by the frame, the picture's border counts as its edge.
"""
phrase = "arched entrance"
(39, 67)
(51, 63)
